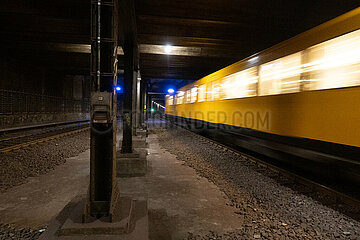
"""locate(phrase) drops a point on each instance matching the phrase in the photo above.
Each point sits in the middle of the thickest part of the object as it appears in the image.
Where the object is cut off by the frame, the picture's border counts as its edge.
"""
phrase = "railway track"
(321, 193)
(23, 138)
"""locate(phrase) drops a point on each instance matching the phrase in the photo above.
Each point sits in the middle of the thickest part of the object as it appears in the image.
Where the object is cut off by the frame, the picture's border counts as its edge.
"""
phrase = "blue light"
(118, 88)
(170, 90)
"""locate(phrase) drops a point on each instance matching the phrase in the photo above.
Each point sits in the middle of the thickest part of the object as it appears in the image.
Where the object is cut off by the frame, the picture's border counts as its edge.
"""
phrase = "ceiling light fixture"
(168, 49)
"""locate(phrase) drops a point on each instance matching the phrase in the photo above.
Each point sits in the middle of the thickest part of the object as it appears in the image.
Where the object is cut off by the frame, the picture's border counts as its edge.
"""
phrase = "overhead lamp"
(171, 90)
(168, 49)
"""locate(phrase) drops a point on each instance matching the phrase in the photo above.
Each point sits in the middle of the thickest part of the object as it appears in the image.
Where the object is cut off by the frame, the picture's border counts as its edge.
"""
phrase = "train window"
(170, 100)
(334, 63)
(188, 96)
(241, 84)
(209, 93)
(213, 91)
(180, 97)
(202, 93)
(281, 75)
(194, 92)
(216, 89)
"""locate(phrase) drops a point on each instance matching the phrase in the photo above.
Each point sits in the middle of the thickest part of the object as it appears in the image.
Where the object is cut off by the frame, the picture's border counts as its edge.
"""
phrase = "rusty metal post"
(128, 96)
(142, 102)
(134, 104)
(103, 190)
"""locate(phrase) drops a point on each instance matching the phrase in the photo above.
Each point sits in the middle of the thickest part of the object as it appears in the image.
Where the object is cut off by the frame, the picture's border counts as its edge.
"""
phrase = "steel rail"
(54, 134)
(29, 127)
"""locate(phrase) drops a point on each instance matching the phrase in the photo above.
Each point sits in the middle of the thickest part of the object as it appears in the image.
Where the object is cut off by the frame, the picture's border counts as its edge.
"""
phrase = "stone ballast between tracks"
(9, 231)
(267, 209)
(16, 166)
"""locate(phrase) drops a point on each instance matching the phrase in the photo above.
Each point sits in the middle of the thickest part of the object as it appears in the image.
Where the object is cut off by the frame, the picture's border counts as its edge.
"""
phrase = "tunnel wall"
(33, 95)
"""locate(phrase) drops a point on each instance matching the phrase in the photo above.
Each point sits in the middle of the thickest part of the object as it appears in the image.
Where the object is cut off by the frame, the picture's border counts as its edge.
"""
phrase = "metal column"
(134, 104)
(103, 190)
(128, 96)
(138, 102)
(142, 102)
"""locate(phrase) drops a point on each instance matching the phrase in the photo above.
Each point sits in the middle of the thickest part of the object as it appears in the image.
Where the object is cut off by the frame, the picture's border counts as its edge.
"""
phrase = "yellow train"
(299, 99)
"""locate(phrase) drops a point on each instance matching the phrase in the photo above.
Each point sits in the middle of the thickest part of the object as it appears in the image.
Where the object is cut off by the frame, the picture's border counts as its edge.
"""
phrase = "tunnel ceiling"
(208, 34)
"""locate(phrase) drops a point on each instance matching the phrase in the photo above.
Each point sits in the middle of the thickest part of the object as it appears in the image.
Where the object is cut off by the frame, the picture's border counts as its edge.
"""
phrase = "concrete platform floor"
(180, 202)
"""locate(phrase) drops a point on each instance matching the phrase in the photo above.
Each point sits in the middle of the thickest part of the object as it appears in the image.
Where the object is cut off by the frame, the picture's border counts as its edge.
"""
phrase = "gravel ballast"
(267, 209)
(16, 166)
(8, 231)
(34, 160)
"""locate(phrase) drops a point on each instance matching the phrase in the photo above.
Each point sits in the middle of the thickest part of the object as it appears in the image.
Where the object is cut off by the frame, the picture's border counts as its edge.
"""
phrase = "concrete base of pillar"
(132, 222)
(134, 154)
(142, 133)
(132, 166)
(138, 142)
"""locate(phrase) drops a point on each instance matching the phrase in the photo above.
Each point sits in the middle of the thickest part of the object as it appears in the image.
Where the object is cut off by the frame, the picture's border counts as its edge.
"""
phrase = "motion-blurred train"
(297, 102)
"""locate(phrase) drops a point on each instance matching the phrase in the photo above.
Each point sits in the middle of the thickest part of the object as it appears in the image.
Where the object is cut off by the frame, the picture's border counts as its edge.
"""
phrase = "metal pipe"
(98, 40)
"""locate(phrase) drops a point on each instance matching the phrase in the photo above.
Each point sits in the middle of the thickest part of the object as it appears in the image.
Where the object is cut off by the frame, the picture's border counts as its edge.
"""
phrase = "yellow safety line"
(18, 146)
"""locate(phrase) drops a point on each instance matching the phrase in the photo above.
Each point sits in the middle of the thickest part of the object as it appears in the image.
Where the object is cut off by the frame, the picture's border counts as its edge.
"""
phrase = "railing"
(14, 102)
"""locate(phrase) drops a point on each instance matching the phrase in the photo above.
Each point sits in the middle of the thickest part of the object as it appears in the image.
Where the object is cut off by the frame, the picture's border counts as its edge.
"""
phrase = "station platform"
(180, 202)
